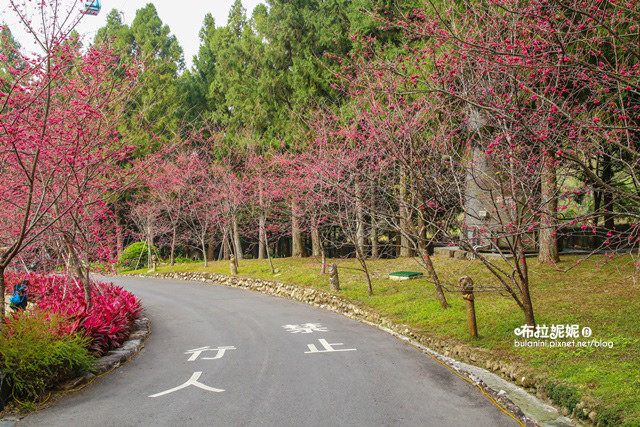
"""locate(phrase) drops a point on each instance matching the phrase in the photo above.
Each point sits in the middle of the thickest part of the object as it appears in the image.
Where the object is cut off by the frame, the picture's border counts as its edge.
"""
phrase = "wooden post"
(334, 281)
(233, 265)
(324, 263)
(154, 263)
(466, 284)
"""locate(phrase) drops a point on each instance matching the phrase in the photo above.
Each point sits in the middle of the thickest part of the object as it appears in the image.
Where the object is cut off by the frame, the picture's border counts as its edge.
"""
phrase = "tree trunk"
(405, 248)
(422, 234)
(262, 234)
(373, 237)
(522, 277)
(226, 245)
(360, 229)
(80, 272)
(203, 247)
(526, 300)
(149, 244)
(363, 263)
(607, 196)
(266, 245)
(221, 251)
(233, 265)
(425, 259)
(297, 248)
(528, 310)
(211, 249)
(547, 242)
(439, 291)
(237, 245)
(2, 296)
(172, 260)
(119, 238)
(323, 270)
(316, 245)
(373, 226)
(334, 279)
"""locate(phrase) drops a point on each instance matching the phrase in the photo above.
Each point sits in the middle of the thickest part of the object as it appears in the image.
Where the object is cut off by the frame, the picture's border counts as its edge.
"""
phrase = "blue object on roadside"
(20, 295)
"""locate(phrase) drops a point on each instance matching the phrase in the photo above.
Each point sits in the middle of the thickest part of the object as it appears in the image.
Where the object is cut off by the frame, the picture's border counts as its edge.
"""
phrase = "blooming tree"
(525, 101)
(59, 146)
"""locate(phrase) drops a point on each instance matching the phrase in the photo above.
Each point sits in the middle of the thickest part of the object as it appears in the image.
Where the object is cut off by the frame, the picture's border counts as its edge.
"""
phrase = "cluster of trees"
(335, 128)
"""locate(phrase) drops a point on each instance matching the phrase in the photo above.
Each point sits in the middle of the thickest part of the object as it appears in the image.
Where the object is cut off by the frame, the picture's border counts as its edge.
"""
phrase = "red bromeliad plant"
(107, 321)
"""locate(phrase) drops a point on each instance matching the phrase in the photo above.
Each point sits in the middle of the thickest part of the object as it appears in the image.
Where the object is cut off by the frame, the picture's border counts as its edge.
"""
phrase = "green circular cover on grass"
(405, 274)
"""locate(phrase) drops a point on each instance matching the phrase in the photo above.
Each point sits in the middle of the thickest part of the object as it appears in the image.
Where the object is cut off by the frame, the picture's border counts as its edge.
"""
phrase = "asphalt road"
(271, 376)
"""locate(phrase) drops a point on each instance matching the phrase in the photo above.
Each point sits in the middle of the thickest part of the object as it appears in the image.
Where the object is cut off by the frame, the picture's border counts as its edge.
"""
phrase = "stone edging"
(442, 350)
(113, 359)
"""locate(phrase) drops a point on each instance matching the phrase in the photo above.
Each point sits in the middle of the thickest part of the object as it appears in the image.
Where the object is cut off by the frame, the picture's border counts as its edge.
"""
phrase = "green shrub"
(182, 260)
(36, 354)
(135, 255)
(607, 417)
(563, 395)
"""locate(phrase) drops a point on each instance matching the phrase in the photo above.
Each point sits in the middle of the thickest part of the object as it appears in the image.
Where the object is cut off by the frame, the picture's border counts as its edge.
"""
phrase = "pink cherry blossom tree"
(524, 99)
(58, 141)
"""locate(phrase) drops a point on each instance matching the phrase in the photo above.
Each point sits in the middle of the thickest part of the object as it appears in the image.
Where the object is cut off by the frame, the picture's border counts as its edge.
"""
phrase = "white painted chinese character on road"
(305, 328)
(327, 347)
(196, 352)
(192, 381)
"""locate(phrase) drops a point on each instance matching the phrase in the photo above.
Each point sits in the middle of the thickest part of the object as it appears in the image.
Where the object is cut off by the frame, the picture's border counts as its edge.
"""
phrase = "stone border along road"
(529, 409)
(104, 365)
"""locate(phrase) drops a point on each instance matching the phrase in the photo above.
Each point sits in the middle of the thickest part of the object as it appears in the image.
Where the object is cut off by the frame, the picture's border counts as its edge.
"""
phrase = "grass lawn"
(604, 298)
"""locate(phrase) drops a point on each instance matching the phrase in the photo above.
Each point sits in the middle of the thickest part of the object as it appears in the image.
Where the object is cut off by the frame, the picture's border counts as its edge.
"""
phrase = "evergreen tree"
(9, 55)
(154, 116)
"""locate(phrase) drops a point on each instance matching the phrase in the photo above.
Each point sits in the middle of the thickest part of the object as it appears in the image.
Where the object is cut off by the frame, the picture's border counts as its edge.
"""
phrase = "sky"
(184, 18)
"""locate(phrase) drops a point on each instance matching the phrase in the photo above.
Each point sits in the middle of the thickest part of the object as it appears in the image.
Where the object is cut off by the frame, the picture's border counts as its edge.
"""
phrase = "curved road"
(272, 375)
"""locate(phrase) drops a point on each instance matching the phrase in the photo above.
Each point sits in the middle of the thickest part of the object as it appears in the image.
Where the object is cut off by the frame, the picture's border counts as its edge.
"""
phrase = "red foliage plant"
(107, 321)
